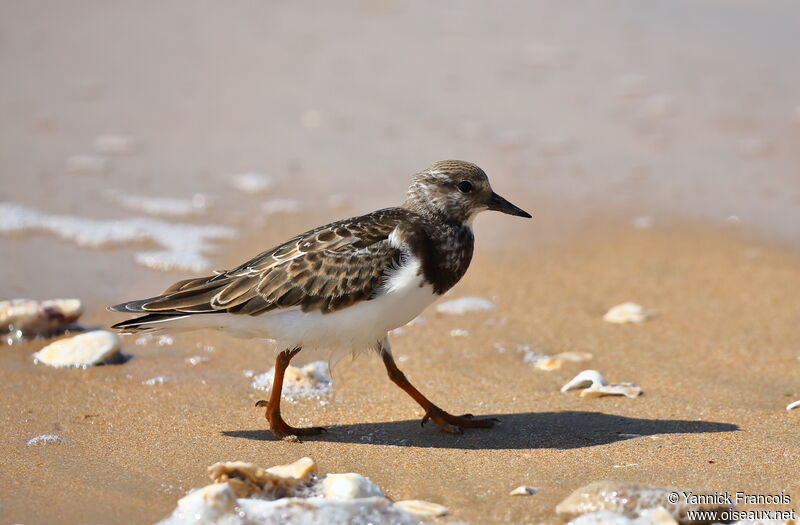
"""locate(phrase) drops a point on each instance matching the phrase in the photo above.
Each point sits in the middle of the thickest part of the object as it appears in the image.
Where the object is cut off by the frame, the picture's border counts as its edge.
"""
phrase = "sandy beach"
(657, 155)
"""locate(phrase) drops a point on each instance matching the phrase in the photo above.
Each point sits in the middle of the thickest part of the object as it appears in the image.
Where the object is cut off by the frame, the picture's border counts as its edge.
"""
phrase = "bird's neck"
(449, 254)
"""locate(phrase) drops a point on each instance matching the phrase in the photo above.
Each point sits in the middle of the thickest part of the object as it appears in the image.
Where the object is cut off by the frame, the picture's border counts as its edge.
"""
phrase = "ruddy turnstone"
(344, 285)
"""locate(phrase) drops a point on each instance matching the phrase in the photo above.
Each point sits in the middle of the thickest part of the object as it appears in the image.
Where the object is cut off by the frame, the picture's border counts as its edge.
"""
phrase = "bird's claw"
(456, 424)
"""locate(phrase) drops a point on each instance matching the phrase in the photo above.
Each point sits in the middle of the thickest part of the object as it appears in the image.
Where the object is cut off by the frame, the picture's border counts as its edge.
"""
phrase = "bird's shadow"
(528, 430)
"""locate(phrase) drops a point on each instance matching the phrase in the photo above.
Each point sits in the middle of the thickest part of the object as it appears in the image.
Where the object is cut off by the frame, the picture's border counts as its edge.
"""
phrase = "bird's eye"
(464, 186)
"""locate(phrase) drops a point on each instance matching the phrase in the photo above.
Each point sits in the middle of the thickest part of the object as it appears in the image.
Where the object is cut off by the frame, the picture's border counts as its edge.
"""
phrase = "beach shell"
(300, 470)
(464, 305)
(585, 379)
(207, 505)
(626, 313)
(631, 500)
(88, 349)
(524, 490)
(309, 381)
(792, 406)
(614, 389)
(38, 317)
(422, 509)
(349, 486)
(247, 479)
(548, 363)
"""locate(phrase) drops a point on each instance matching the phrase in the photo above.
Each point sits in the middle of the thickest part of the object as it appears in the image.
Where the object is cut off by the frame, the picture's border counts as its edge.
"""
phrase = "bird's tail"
(149, 322)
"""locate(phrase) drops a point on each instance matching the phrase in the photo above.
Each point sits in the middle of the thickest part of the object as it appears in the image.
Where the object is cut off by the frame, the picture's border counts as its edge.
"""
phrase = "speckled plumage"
(342, 286)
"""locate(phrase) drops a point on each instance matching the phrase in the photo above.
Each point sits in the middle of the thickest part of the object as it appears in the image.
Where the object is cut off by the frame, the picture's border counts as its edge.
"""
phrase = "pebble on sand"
(464, 305)
(631, 500)
(34, 318)
(244, 493)
(627, 312)
(93, 348)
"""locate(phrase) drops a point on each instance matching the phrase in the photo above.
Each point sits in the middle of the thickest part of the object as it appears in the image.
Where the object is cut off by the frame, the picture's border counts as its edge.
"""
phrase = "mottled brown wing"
(325, 269)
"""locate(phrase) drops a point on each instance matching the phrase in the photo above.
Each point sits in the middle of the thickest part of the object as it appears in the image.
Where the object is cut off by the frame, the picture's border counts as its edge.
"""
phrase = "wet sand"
(717, 365)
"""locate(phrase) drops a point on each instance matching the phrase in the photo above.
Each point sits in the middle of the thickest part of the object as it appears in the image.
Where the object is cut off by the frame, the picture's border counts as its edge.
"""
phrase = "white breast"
(404, 296)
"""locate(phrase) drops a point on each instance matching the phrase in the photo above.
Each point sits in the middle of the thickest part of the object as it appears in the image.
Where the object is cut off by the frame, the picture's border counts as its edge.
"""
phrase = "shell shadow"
(529, 430)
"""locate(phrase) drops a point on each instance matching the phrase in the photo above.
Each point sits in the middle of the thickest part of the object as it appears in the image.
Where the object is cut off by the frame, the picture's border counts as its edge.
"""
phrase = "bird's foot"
(456, 424)
(280, 429)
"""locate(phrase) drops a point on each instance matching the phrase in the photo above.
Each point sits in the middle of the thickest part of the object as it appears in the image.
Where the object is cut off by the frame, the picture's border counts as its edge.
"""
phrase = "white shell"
(299, 470)
(422, 509)
(207, 504)
(524, 490)
(311, 380)
(614, 389)
(585, 379)
(349, 486)
(626, 313)
(792, 406)
(87, 349)
(464, 305)
(38, 317)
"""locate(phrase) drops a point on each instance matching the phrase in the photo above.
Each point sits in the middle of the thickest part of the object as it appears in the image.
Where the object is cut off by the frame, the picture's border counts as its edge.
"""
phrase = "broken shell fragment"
(88, 349)
(422, 509)
(299, 470)
(38, 317)
(349, 486)
(585, 379)
(524, 490)
(792, 406)
(614, 389)
(247, 479)
(208, 504)
(627, 313)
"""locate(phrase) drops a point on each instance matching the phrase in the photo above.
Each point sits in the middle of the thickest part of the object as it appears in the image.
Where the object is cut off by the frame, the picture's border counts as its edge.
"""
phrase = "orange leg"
(445, 421)
(277, 425)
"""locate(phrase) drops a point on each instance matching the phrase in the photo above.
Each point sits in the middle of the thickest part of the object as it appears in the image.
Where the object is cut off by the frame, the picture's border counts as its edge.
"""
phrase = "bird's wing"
(325, 269)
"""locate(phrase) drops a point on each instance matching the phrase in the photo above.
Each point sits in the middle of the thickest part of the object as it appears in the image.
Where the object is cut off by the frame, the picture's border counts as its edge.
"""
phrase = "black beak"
(498, 203)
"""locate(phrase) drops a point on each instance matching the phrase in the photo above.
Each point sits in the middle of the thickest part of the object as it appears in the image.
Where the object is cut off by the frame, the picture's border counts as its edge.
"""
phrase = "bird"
(343, 285)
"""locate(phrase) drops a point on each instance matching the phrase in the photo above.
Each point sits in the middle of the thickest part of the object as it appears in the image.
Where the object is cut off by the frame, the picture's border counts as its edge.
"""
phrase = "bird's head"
(456, 191)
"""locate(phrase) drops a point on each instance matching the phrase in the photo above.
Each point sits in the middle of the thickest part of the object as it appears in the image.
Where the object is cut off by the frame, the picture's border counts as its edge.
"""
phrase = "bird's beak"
(498, 203)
